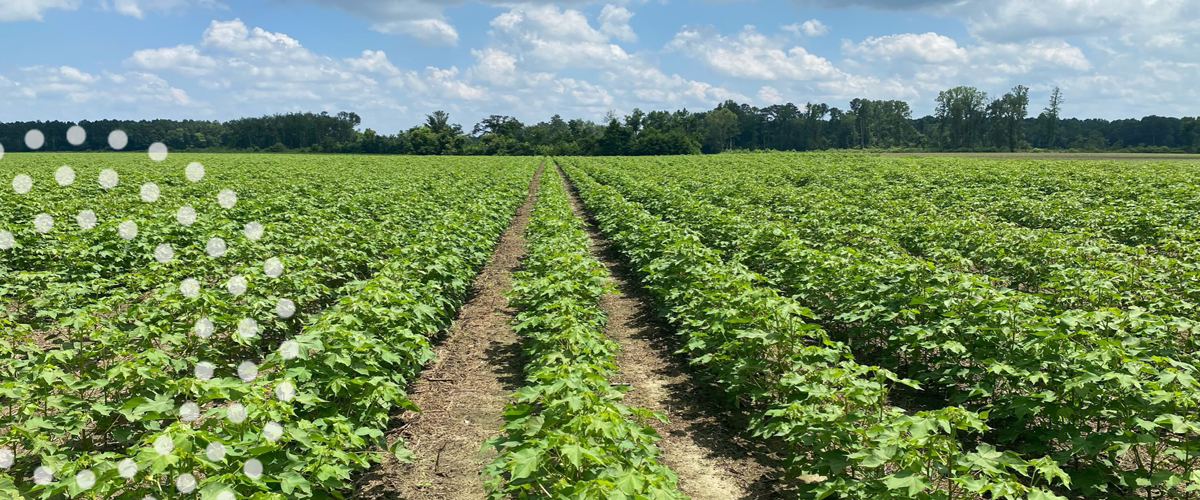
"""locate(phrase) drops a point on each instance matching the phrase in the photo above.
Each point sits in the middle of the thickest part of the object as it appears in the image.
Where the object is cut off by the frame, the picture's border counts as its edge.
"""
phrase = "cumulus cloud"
(397, 16)
(768, 95)
(31, 10)
(499, 68)
(421, 19)
(912, 50)
(185, 59)
(256, 70)
(923, 48)
(555, 38)
(373, 61)
(531, 44)
(930, 62)
(811, 27)
(583, 92)
(750, 54)
(447, 84)
(1024, 19)
(68, 87)
(1019, 20)
(614, 22)
(430, 31)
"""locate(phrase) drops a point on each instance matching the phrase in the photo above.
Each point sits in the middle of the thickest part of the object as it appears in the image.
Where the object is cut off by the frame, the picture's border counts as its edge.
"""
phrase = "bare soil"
(463, 392)
(702, 442)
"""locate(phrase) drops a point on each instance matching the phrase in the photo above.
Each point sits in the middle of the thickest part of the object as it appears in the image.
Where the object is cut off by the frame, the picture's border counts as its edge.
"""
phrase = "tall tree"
(814, 118)
(501, 125)
(720, 125)
(438, 121)
(635, 120)
(961, 112)
(617, 139)
(1008, 117)
(1050, 117)
(862, 118)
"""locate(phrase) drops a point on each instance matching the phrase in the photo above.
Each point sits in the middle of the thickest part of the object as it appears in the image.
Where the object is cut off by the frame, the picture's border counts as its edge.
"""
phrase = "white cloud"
(769, 95)
(387, 14)
(48, 88)
(1166, 40)
(374, 61)
(584, 93)
(811, 27)
(614, 22)
(911, 50)
(750, 54)
(447, 84)
(420, 19)
(429, 31)
(234, 36)
(139, 8)
(75, 75)
(31, 10)
(1023, 19)
(1019, 20)
(530, 44)
(495, 66)
(922, 48)
(260, 71)
(1171, 71)
(185, 59)
(555, 38)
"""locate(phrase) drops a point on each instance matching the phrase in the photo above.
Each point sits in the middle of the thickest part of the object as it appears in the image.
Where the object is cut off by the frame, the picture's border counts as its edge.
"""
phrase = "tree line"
(965, 119)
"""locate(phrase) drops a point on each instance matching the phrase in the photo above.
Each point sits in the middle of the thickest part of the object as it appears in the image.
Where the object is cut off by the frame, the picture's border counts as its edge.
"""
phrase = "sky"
(393, 62)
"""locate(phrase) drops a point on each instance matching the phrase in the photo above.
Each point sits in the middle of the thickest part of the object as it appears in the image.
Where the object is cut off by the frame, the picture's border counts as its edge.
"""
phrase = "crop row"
(567, 434)
(69, 268)
(1150, 204)
(1110, 394)
(868, 209)
(803, 387)
(329, 389)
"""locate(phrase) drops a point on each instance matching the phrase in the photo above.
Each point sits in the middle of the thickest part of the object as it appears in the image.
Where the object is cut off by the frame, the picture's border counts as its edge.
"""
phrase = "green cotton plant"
(118, 354)
(1013, 337)
(799, 385)
(567, 434)
(1078, 386)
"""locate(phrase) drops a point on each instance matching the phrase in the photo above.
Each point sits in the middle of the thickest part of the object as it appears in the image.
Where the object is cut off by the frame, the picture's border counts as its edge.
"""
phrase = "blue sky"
(394, 61)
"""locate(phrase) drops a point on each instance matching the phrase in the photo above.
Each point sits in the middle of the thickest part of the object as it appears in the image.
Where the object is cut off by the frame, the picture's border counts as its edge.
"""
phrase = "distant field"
(1063, 156)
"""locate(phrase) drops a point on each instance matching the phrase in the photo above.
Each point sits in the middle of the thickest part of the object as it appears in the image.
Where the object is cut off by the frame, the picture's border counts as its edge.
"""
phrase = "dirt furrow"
(702, 442)
(463, 392)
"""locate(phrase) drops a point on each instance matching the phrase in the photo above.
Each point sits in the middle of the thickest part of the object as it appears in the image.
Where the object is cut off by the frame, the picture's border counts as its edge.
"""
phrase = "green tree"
(720, 126)
(1050, 117)
(438, 121)
(655, 142)
(814, 120)
(1008, 117)
(863, 111)
(961, 112)
(505, 126)
(635, 120)
(617, 140)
